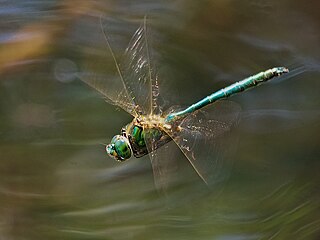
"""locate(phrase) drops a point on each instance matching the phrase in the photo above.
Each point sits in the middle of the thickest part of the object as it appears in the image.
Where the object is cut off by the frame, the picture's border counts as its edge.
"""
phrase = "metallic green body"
(230, 90)
(137, 91)
(136, 135)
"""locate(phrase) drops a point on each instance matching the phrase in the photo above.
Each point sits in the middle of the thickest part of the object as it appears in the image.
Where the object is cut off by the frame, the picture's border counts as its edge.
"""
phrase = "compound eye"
(119, 148)
(122, 147)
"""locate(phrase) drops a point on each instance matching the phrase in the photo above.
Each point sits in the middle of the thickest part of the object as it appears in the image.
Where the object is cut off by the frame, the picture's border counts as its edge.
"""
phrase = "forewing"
(204, 137)
(136, 87)
(96, 73)
(110, 87)
(139, 72)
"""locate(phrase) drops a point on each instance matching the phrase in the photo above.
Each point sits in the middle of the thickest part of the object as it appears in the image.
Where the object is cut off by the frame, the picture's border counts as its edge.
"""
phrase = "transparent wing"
(135, 89)
(112, 87)
(163, 163)
(204, 138)
(139, 73)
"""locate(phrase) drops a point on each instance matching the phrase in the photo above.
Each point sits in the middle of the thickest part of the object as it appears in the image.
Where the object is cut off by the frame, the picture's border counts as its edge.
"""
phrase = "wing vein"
(117, 66)
(149, 66)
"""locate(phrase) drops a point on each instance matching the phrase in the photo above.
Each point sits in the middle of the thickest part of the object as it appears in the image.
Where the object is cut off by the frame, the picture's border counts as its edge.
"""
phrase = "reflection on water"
(56, 182)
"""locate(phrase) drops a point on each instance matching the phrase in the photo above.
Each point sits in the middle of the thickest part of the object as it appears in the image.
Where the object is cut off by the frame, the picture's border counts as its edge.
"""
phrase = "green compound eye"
(119, 148)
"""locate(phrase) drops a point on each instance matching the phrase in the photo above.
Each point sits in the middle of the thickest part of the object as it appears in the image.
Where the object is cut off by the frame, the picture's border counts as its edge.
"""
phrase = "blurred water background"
(56, 181)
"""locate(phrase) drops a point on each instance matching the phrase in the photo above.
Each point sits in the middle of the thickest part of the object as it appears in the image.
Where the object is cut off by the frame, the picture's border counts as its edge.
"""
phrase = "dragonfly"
(199, 130)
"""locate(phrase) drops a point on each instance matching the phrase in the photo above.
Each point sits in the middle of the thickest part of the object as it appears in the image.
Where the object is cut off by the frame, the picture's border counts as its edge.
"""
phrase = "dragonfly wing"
(139, 73)
(135, 89)
(97, 64)
(162, 159)
(163, 164)
(204, 138)
(111, 88)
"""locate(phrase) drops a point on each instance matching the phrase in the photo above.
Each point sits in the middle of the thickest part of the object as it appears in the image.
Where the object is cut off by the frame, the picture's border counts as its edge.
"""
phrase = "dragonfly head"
(119, 148)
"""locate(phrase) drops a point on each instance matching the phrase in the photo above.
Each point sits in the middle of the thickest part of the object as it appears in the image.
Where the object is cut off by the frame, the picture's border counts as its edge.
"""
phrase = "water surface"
(56, 181)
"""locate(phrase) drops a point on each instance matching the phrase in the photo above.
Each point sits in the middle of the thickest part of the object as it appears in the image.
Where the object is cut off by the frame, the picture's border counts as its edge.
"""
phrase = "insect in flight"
(197, 130)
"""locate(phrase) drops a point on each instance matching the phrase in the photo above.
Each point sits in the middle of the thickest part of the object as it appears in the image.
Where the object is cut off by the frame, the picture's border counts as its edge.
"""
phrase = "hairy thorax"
(152, 121)
(147, 133)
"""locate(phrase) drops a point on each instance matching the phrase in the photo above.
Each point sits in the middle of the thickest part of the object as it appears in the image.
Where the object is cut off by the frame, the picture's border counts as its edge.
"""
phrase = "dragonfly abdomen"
(230, 90)
(246, 84)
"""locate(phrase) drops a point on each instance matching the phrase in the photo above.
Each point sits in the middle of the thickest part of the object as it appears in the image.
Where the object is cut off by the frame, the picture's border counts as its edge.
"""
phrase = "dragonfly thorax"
(152, 121)
(137, 135)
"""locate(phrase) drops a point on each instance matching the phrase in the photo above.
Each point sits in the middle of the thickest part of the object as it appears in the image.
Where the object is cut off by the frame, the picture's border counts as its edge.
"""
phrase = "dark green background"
(56, 181)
